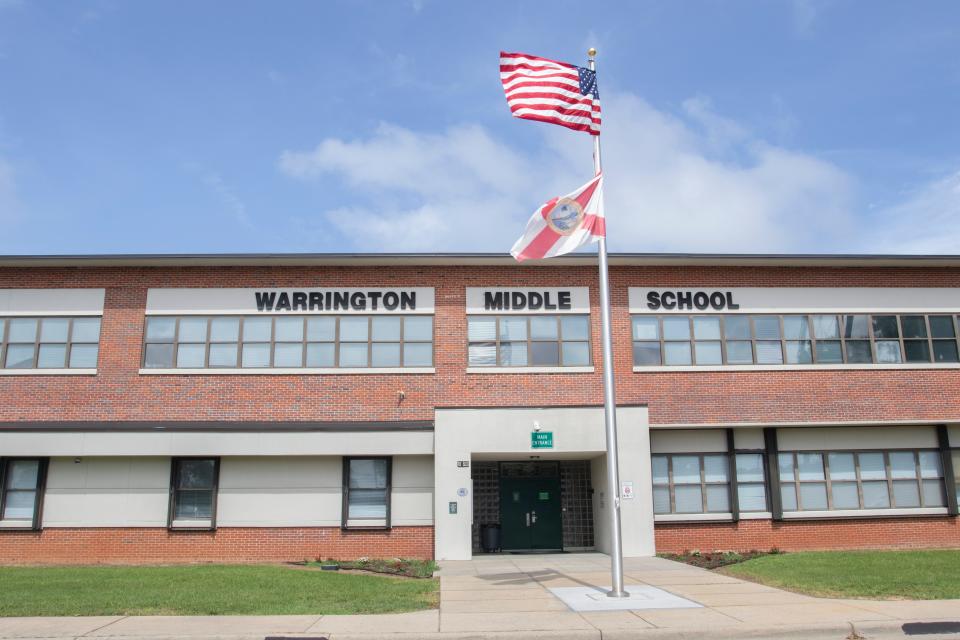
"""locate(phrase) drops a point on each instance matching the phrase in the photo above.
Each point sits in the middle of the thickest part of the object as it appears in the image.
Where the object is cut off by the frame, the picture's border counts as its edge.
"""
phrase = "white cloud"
(691, 182)
(925, 221)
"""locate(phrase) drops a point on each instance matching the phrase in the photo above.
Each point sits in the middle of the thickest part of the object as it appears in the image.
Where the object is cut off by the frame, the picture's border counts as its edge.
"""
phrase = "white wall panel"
(827, 438)
(748, 438)
(51, 302)
(688, 440)
(280, 491)
(107, 492)
(412, 490)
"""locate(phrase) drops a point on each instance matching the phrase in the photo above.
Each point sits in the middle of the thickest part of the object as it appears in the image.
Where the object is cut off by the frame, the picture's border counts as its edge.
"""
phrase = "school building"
(245, 408)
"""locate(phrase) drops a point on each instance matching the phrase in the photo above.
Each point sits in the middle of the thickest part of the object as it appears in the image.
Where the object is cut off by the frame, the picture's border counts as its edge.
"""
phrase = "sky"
(738, 126)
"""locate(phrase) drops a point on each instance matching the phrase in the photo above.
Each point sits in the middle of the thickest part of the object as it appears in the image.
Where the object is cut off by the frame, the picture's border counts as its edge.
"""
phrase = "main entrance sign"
(541, 440)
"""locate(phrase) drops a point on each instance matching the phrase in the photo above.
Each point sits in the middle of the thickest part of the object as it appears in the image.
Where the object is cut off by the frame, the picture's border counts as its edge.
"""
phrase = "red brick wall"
(231, 544)
(762, 535)
(118, 392)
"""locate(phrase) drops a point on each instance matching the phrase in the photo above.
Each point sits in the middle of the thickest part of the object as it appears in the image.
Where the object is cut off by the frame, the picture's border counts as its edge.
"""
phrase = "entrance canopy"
(504, 434)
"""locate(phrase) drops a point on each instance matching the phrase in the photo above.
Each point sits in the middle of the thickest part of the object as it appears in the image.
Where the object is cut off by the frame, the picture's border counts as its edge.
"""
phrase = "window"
(683, 340)
(366, 492)
(690, 483)
(852, 480)
(49, 343)
(751, 482)
(288, 342)
(193, 493)
(528, 341)
(21, 492)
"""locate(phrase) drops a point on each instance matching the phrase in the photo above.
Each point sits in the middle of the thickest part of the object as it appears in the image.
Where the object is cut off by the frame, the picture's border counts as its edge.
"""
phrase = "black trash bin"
(490, 538)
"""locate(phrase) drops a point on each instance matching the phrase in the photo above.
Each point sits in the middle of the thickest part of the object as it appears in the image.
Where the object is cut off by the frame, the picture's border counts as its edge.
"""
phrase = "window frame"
(529, 340)
(889, 480)
(812, 339)
(765, 483)
(36, 521)
(68, 345)
(345, 505)
(172, 505)
(703, 484)
(175, 343)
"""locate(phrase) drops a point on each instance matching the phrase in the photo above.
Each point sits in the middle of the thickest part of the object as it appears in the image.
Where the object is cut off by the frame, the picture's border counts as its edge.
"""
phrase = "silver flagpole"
(609, 402)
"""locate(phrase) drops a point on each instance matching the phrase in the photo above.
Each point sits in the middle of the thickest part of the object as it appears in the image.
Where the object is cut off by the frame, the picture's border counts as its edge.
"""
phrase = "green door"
(530, 513)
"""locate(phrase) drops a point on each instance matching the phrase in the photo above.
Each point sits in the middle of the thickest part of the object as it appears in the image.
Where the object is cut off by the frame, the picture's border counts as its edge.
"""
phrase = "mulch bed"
(716, 559)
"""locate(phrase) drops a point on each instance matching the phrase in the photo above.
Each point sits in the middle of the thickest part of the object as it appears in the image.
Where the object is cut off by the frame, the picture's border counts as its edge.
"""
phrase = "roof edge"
(473, 259)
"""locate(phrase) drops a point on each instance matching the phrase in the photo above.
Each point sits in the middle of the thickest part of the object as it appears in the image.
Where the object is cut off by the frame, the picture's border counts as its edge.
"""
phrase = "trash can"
(490, 538)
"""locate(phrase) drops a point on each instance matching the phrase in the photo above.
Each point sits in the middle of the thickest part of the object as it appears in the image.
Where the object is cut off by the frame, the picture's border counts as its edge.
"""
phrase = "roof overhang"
(474, 259)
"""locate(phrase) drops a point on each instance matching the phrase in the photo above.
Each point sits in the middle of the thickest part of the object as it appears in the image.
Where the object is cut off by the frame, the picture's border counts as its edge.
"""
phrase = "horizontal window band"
(531, 369)
(48, 372)
(278, 371)
(906, 366)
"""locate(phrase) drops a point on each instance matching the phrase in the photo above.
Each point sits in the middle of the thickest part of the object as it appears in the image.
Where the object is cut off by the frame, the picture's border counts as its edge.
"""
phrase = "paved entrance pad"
(641, 597)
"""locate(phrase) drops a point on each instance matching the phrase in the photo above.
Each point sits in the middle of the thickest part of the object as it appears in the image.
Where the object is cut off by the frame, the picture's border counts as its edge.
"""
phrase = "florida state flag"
(564, 224)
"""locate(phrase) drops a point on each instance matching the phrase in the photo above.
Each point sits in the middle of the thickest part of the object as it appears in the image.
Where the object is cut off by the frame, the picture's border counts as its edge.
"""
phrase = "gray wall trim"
(210, 426)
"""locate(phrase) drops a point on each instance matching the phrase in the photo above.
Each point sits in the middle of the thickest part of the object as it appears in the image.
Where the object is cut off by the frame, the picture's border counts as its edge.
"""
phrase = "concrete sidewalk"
(509, 596)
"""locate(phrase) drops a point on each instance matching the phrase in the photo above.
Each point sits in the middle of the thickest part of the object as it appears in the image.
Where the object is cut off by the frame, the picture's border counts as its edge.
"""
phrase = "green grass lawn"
(916, 575)
(205, 590)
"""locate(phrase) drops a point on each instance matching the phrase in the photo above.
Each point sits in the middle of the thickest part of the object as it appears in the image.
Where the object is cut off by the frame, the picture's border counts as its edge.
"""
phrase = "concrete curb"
(832, 631)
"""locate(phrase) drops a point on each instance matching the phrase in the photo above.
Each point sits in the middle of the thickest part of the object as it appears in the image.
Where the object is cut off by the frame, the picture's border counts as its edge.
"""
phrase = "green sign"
(541, 440)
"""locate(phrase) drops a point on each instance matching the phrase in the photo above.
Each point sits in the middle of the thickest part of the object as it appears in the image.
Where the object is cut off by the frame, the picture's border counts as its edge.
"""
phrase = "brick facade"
(119, 392)
(229, 544)
(807, 535)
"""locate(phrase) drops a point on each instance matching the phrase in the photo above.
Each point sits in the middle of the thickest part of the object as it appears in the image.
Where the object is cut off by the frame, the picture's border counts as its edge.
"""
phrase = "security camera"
(536, 426)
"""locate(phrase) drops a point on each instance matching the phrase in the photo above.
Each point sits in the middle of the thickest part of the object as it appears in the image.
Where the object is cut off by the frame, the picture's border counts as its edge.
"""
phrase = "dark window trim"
(889, 479)
(37, 342)
(36, 523)
(732, 473)
(811, 338)
(559, 341)
(272, 341)
(171, 506)
(772, 468)
(949, 473)
(345, 505)
(703, 484)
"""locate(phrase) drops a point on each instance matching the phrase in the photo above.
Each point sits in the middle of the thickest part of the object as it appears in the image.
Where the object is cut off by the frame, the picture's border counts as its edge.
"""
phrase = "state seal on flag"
(565, 216)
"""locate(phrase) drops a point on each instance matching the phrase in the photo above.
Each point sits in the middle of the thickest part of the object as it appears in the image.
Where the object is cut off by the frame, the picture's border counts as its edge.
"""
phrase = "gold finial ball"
(591, 52)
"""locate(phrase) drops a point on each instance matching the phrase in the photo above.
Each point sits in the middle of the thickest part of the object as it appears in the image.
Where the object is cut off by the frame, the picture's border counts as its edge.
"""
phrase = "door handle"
(534, 517)
(528, 518)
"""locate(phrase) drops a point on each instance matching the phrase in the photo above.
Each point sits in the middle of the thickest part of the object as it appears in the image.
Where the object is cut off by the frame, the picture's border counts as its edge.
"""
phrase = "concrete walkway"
(509, 596)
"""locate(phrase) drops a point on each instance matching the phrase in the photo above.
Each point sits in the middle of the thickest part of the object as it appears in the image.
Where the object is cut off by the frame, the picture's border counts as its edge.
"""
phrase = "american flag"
(551, 91)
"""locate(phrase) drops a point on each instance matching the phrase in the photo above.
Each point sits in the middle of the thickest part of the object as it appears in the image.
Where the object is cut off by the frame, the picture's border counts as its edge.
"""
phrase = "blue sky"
(748, 126)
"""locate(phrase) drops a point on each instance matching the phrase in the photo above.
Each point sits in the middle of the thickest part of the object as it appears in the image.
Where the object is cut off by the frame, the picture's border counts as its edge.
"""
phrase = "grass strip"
(205, 590)
(914, 575)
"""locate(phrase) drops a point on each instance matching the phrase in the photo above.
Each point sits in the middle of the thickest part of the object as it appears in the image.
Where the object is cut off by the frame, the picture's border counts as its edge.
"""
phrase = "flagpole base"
(617, 594)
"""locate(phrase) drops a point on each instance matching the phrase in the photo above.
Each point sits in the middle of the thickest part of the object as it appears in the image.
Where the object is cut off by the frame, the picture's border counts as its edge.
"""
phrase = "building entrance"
(531, 513)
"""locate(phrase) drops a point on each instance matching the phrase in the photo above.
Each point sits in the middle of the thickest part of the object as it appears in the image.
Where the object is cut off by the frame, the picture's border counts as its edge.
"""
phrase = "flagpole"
(609, 402)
